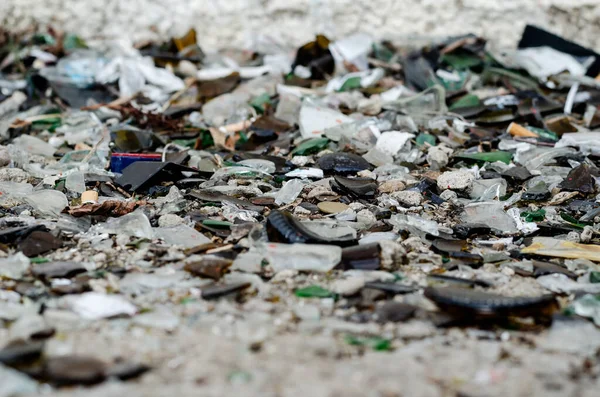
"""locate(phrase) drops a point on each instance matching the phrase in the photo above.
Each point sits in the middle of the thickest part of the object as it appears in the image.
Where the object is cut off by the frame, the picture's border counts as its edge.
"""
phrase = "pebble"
(307, 312)
(13, 175)
(71, 370)
(170, 220)
(408, 198)
(561, 197)
(437, 158)
(587, 234)
(366, 174)
(284, 275)
(393, 185)
(301, 211)
(57, 269)
(332, 207)
(394, 312)
(187, 68)
(456, 180)
(349, 286)
(300, 161)
(392, 254)
(4, 156)
(366, 218)
(39, 242)
(448, 195)
(357, 206)
(343, 163)
(573, 236)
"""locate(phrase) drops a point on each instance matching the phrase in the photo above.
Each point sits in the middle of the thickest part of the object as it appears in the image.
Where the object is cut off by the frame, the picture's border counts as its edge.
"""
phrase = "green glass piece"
(185, 142)
(382, 53)
(466, 101)
(186, 300)
(375, 342)
(311, 146)
(216, 224)
(573, 221)
(545, 134)
(454, 84)
(491, 157)
(50, 124)
(39, 259)
(496, 116)
(595, 277)
(44, 38)
(534, 216)
(461, 61)
(137, 243)
(423, 138)
(260, 101)
(72, 42)
(517, 80)
(350, 84)
(74, 156)
(569, 311)
(207, 139)
(313, 291)
(239, 377)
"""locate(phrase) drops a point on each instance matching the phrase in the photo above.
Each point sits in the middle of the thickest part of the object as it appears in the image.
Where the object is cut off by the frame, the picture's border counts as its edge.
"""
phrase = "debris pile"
(368, 194)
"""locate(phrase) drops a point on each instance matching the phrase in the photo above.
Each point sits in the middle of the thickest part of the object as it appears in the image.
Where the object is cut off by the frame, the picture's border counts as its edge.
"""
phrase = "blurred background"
(241, 23)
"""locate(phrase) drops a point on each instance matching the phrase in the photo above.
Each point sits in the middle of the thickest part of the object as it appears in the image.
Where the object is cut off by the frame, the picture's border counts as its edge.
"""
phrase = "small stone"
(366, 217)
(408, 198)
(38, 243)
(19, 352)
(342, 163)
(415, 330)
(58, 269)
(448, 195)
(573, 236)
(284, 275)
(74, 370)
(394, 312)
(437, 158)
(170, 220)
(393, 185)
(356, 206)
(4, 156)
(348, 287)
(13, 175)
(587, 234)
(332, 207)
(300, 161)
(301, 211)
(209, 267)
(217, 291)
(366, 174)
(456, 180)
(307, 312)
(127, 370)
(561, 197)
(187, 68)
(392, 254)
